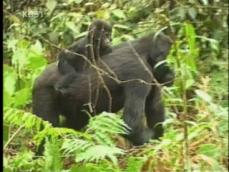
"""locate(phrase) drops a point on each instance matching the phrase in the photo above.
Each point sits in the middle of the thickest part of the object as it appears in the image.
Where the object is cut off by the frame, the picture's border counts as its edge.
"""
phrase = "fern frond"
(105, 126)
(108, 122)
(55, 133)
(87, 151)
(52, 155)
(134, 164)
(13, 116)
(97, 143)
(99, 152)
(75, 145)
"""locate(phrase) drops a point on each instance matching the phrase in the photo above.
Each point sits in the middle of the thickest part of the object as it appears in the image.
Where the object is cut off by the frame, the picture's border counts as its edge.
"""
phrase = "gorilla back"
(126, 80)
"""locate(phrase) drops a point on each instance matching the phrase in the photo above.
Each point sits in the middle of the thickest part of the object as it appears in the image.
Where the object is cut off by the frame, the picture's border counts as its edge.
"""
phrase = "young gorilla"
(132, 63)
(96, 44)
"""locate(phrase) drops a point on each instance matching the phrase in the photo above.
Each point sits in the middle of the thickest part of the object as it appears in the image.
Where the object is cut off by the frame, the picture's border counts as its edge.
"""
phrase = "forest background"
(196, 128)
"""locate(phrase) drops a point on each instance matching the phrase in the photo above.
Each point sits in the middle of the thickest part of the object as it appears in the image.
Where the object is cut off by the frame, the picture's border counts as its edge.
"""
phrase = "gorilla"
(95, 44)
(128, 78)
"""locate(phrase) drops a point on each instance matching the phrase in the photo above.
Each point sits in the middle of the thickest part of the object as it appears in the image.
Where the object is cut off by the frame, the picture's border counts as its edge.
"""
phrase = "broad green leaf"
(210, 150)
(51, 4)
(10, 79)
(103, 14)
(37, 47)
(71, 25)
(35, 61)
(135, 164)
(7, 99)
(119, 13)
(22, 96)
(189, 83)
(215, 45)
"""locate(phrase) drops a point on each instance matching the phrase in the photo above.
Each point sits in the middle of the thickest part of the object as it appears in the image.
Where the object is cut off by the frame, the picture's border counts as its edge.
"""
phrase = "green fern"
(88, 151)
(23, 161)
(97, 143)
(99, 152)
(104, 166)
(52, 154)
(134, 164)
(75, 145)
(17, 117)
(55, 133)
(106, 125)
(108, 122)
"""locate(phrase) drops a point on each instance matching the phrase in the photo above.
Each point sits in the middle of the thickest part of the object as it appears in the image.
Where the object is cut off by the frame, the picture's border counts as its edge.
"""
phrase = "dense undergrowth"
(196, 127)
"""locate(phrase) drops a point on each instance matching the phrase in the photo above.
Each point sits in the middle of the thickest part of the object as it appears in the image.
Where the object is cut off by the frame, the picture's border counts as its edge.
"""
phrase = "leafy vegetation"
(196, 128)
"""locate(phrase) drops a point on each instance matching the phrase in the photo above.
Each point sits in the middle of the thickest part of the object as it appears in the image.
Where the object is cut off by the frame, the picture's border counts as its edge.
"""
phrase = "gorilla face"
(161, 47)
(100, 33)
(164, 75)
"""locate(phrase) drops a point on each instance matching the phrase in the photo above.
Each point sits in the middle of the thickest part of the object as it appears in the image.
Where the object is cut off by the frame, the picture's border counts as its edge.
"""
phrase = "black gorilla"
(97, 43)
(130, 75)
(94, 45)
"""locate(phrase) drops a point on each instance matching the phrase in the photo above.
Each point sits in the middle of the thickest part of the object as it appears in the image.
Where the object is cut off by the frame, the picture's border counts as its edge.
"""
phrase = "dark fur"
(94, 45)
(140, 101)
